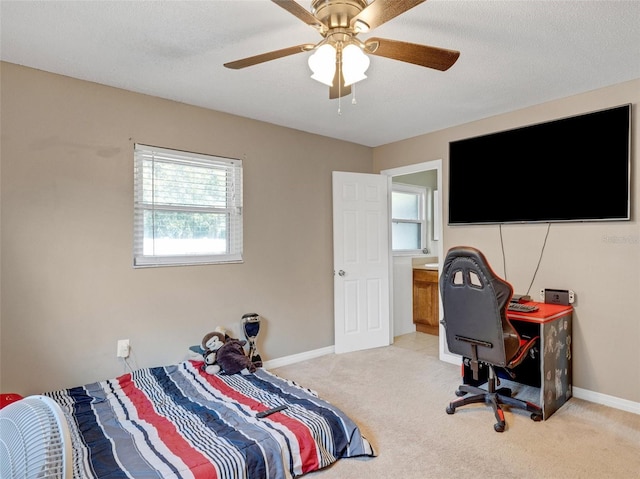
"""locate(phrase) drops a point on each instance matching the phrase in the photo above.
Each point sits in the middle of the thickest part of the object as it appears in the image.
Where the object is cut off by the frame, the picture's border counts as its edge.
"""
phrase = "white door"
(361, 261)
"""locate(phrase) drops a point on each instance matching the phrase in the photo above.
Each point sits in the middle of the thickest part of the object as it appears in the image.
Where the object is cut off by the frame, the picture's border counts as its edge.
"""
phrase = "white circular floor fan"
(34, 440)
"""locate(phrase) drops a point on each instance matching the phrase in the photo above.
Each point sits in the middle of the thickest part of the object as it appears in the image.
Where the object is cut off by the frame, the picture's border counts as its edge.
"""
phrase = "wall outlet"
(123, 348)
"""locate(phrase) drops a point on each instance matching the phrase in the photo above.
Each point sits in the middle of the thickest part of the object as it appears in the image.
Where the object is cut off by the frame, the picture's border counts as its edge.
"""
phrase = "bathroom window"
(408, 219)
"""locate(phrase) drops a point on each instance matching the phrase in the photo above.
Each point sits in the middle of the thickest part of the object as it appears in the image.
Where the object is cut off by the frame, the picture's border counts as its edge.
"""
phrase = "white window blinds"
(187, 208)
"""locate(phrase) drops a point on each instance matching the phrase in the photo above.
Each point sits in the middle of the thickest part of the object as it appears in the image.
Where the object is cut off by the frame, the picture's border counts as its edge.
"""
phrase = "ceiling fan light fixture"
(323, 64)
(354, 64)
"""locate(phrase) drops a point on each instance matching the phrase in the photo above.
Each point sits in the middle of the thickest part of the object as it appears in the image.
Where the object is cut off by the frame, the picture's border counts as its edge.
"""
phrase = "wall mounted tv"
(571, 169)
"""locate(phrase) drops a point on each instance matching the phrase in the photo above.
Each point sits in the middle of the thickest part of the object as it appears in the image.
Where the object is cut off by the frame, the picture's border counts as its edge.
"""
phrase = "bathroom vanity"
(426, 298)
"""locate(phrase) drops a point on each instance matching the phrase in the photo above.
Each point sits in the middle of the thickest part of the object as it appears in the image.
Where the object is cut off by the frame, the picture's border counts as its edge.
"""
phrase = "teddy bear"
(211, 344)
(232, 359)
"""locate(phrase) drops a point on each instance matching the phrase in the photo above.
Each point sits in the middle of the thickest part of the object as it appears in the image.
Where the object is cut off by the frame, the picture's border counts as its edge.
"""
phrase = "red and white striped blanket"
(179, 422)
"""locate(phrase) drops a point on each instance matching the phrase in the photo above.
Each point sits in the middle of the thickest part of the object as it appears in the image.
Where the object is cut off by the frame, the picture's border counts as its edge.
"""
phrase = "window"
(408, 223)
(187, 208)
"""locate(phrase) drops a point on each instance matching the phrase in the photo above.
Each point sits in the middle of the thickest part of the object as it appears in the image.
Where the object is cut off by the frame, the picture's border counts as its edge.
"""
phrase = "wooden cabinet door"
(425, 301)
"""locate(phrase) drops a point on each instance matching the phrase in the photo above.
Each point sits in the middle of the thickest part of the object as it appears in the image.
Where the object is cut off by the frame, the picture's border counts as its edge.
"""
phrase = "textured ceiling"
(513, 54)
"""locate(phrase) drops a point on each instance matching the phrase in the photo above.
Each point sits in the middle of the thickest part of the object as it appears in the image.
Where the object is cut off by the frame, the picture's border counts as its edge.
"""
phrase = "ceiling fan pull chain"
(339, 57)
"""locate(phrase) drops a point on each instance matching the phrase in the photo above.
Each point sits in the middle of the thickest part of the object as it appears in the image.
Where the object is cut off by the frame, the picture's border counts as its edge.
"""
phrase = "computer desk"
(550, 370)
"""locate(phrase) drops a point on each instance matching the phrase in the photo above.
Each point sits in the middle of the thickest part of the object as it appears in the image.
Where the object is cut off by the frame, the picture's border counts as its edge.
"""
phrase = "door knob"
(341, 273)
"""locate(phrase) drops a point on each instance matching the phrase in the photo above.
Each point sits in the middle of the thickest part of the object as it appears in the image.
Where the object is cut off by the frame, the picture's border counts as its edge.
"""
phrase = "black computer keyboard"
(522, 308)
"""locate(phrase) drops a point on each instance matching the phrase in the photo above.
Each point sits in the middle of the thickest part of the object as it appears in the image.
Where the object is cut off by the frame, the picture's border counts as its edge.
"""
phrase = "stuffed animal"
(211, 344)
(224, 332)
(232, 359)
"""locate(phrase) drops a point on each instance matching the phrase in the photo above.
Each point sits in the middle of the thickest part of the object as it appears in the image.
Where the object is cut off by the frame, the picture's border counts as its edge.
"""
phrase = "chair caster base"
(499, 427)
(450, 410)
(536, 417)
(460, 393)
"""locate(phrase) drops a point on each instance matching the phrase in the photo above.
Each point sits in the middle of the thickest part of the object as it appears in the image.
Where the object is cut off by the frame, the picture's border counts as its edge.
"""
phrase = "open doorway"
(429, 175)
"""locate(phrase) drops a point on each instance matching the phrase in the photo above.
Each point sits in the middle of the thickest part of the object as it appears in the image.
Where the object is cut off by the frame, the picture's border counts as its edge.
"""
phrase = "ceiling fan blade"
(381, 11)
(423, 55)
(338, 92)
(303, 14)
(265, 57)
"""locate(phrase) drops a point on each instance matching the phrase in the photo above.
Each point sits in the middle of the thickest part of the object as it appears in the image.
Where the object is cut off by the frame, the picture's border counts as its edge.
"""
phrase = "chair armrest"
(522, 353)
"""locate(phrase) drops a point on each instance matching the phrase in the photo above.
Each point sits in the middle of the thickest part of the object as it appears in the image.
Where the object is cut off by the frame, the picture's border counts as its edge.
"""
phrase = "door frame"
(444, 354)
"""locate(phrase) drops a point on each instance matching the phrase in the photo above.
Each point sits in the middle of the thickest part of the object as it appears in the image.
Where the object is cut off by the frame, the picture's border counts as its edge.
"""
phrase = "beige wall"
(69, 291)
(599, 261)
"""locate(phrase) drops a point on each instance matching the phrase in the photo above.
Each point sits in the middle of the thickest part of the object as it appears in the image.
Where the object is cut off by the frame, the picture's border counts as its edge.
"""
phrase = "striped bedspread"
(179, 422)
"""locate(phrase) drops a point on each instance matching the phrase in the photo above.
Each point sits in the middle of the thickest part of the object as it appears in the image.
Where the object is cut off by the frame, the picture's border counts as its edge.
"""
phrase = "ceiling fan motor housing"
(337, 13)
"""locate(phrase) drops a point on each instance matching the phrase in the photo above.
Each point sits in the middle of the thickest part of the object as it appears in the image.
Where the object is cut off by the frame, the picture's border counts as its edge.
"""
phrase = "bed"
(180, 422)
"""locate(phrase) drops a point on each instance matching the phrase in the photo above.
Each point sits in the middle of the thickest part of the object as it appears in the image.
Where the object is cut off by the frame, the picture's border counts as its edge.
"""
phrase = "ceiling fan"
(340, 58)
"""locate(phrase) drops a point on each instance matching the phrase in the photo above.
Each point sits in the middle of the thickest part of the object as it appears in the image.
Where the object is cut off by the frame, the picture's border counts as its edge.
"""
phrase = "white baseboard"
(296, 358)
(606, 400)
(591, 396)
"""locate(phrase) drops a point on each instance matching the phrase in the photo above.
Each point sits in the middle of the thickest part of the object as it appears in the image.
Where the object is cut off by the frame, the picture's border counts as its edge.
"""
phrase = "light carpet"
(398, 395)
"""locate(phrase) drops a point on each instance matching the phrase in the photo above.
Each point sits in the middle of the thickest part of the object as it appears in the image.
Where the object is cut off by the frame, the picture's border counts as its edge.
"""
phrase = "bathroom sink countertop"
(429, 266)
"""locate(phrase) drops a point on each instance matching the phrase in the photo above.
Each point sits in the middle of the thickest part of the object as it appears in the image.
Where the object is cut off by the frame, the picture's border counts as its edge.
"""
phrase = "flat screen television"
(570, 169)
